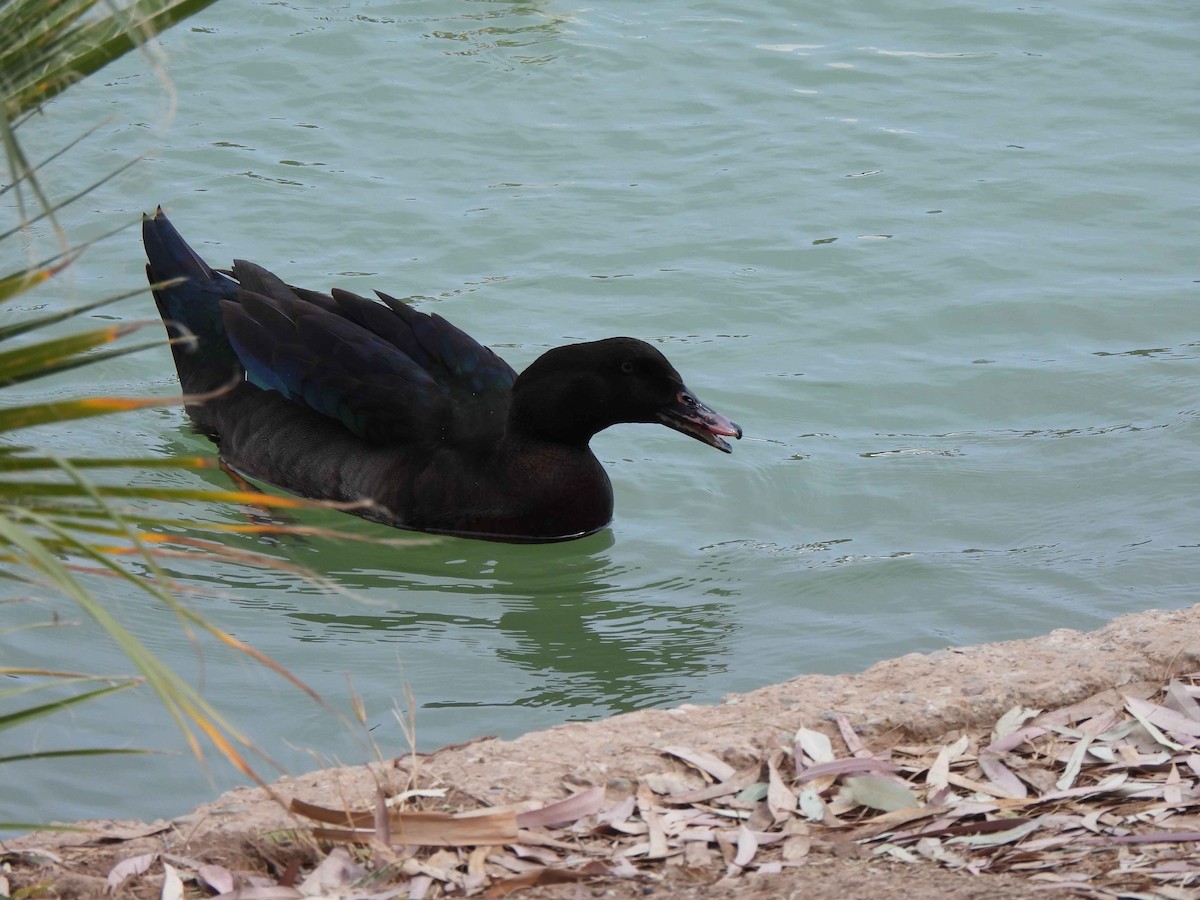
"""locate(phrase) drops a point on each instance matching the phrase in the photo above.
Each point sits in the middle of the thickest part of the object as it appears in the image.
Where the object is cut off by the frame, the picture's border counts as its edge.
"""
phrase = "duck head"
(570, 393)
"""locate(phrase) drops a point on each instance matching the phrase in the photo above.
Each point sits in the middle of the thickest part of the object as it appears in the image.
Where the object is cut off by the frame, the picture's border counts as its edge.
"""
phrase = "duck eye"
(627, 367)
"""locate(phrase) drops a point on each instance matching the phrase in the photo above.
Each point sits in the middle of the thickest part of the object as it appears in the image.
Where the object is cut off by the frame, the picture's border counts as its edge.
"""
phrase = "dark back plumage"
(387, 372)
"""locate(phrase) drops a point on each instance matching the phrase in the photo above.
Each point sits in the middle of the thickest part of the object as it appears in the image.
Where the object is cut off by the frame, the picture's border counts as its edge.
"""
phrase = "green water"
(939, 261)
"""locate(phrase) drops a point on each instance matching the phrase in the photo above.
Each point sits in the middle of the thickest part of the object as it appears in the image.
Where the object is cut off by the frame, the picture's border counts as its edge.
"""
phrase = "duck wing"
(389, 373)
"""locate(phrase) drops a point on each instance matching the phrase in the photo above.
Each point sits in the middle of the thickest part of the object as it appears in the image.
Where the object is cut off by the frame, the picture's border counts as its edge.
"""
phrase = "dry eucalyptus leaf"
(1142, 711)
(747, 846)
(816, 746)
(752, 793)
(1001, 776)
(857, 766)
(542, 855)
(335, 871)
(671, 782)
(418, 829)
(897, 852)
(419, 887)
(172, 888)
(127, 868)
(812, 807)
(264, 892)
(938, 774)
(1011, 721)
(996, 838)
(564, 812)
(1178, 724)
(618, 814)
(1017, 738)
(780, 799)
(219, 878)
(742, 779)
(850, 737)
(704, 761)
(1179, 699)
(880, 793)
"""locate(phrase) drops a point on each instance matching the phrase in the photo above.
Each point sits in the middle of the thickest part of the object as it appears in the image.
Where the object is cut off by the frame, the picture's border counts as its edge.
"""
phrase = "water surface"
(940, 263)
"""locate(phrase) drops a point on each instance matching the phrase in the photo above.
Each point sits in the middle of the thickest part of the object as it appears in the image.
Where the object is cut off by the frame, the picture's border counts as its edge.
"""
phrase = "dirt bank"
(742, 799)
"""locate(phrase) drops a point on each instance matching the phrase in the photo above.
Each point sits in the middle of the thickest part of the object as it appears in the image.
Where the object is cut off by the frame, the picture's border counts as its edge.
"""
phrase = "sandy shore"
(918, 697)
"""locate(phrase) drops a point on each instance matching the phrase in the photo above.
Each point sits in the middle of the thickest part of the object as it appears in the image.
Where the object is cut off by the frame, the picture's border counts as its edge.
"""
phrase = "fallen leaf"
(512, 863)
(127, 868)
(419, 886)
(1105, 786)
(617, 815)
(1016, 738)
(896, 852)
(541, 839)
(264, 892)
(1178, 699)
(885, 823)
(404, 796)
(476, 862)
(751, 794)
(417, 829)
(747, 846)
(172, 888)
(880, 793)
(219, 878)
(1087, 733)
(938, 774)
(542, 855)
(727, 845)
(335, 871)
(564, 812)
(978, 787)
(1140, 710)
(738, 782)
(850, 737)
(1011, 721)
(1167, 719)
(858, 765)
(34, 856)
(812, 807)
(534, 878)
(781, 801)
(996, 838)
(1160, 837)
(704, 761)
(655, 834)
(1170, 892)
(1001, 776)
(673, 782)
(816, 746)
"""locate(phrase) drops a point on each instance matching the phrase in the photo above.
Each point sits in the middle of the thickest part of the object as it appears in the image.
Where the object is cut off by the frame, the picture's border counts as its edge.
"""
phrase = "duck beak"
(689, 415)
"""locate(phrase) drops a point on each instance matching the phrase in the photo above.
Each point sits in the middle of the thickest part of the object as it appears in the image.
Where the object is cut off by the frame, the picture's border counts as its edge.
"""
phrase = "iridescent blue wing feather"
(191, 309)
(387, 372)
(334, 366)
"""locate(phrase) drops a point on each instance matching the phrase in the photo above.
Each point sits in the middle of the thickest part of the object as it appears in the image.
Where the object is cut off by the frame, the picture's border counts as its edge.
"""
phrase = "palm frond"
(58, 529)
